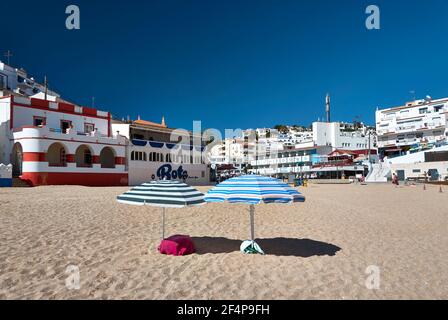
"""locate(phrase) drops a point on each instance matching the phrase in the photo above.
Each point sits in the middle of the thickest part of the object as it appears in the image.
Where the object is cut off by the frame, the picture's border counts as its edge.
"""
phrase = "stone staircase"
(379, 172)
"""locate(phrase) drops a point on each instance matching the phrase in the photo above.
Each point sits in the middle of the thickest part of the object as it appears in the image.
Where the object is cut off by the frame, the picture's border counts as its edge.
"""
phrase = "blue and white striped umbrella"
(165, 194)
(253, 189)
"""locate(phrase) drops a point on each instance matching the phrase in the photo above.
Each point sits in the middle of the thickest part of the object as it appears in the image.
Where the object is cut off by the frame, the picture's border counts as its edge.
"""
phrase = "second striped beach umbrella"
(252, 190)
(164, 194)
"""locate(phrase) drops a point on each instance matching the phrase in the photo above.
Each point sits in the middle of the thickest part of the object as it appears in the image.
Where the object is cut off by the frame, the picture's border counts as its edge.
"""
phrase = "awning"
(334, 169)
(223, 167)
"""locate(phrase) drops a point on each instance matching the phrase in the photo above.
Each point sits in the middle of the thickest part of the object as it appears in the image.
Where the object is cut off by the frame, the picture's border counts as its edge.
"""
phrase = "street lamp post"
(370, 132)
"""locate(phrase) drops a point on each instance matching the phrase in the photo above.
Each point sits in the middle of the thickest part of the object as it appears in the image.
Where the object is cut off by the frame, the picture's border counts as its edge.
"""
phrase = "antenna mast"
(327, 103)
(46, 87)
(8, 55)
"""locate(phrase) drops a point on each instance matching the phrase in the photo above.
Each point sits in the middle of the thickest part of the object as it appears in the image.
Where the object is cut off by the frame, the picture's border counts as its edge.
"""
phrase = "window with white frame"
(138, 156)
(89, 128)
(39, 121)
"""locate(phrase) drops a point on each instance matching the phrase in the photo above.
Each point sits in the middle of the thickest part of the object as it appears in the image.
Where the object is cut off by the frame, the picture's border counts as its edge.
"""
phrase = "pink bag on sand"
(177, 245)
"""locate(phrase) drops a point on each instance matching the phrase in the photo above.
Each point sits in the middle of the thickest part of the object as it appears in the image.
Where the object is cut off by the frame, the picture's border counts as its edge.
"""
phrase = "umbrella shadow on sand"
(277, 246)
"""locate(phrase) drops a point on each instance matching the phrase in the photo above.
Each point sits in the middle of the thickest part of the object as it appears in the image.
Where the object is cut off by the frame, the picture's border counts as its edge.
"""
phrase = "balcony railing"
(342, 163)
(38, 131)
(78, 133)
(281, 170)
(406, 128)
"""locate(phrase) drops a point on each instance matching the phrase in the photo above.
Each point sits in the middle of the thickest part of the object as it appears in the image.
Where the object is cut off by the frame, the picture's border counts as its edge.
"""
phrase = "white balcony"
(406, 142)
(406, 128)
(56, 134)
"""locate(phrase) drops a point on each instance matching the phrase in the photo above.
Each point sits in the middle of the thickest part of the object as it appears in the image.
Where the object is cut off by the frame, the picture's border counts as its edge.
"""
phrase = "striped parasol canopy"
(165, 194)
(253, 189)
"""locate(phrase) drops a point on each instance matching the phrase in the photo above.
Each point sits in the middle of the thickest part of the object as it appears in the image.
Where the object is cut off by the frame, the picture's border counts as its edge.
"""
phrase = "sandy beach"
(315, 250)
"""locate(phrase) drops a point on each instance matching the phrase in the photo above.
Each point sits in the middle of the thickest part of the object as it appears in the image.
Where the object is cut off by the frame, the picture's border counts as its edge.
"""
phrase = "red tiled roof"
(149, 123)
(352, 152)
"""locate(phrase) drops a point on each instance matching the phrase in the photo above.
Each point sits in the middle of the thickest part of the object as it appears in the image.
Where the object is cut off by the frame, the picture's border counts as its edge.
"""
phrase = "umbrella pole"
(163, 223)
(252, 228)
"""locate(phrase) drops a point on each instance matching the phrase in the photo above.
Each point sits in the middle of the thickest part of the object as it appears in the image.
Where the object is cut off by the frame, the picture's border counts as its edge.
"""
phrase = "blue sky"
(233, 64)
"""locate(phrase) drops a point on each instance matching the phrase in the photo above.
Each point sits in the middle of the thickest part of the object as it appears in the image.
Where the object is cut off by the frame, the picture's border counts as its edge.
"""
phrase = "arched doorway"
(17, 159)
(107, 158)
(56, 155)
(83, 157)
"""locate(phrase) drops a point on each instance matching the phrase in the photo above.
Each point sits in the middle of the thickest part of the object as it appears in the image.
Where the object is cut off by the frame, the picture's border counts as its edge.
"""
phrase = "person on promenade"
(395, 179)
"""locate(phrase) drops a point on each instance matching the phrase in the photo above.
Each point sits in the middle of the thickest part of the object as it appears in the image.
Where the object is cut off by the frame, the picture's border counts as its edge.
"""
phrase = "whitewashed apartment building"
(412, 141)
(416, 124)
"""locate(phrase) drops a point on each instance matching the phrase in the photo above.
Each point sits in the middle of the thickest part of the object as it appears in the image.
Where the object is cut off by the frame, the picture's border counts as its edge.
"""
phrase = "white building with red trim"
(53, 142)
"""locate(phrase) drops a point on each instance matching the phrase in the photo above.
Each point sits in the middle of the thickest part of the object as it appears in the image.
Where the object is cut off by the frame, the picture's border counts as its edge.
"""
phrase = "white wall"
(10, 74)
(321, 134)
(23, 116)
(348, 142)
(30, 166)
(330, 134)
(416, 161)
(409, 158)
(143, 171)
(140, 172)
(5, 145)
(41, 95)
(123, 128)
(70, 141)
(5, 171)
(411, 168)
(304, 145)
(30, 140)
(414, 157)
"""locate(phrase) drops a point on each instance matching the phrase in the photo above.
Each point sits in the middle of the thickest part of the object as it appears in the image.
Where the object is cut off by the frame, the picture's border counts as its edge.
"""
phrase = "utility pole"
(370, 132)
(327, 104)
(8, 55)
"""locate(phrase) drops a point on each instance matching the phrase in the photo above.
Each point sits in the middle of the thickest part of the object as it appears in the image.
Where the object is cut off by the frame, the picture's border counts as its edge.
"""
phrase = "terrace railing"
(341, 163)
(48, 131)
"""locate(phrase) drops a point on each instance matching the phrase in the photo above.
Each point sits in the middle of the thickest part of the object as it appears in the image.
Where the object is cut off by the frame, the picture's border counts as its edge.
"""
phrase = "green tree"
(281, 128)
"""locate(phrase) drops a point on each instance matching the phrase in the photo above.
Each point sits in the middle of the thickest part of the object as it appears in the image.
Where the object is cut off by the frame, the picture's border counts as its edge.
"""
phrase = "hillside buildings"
(311, 156)
(298, 151)
(17, 81)
(412, 141)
